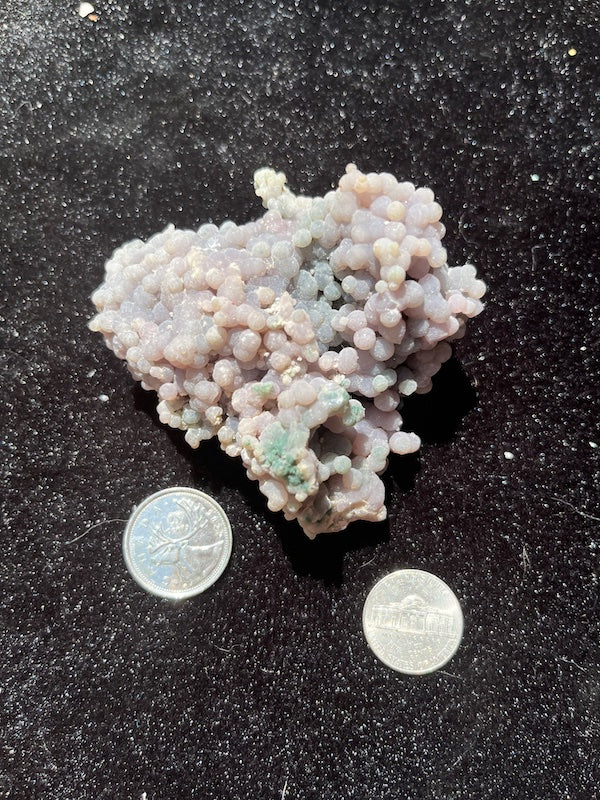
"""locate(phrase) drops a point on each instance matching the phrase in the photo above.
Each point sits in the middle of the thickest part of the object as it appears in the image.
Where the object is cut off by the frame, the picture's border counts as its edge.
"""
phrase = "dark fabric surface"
(264, 686)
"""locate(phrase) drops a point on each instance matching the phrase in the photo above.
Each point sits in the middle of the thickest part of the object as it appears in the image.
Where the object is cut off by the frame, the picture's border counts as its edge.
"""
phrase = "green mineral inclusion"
(338, 401)
(334, 399)
(280, 447)
(263, 390)
(353, 414)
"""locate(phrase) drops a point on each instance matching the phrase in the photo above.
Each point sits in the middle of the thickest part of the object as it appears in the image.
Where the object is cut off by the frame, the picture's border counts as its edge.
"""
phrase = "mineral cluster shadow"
(435, 416)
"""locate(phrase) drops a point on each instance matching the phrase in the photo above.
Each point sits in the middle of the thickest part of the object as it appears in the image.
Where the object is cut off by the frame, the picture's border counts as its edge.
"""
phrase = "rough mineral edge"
(293, 338)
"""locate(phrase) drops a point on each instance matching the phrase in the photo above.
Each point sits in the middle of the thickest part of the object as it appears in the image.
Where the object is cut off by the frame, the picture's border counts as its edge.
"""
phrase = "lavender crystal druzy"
(294, 338)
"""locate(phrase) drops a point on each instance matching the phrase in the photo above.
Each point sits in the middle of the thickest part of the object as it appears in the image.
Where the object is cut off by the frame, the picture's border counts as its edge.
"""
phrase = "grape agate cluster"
(294, 338)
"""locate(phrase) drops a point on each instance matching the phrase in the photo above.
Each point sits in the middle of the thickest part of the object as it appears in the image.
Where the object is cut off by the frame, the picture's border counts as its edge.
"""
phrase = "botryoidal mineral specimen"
(294, 338)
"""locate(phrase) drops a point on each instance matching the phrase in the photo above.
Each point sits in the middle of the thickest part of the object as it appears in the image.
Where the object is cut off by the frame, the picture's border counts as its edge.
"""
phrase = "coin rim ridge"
(165, 593)
(384, 660)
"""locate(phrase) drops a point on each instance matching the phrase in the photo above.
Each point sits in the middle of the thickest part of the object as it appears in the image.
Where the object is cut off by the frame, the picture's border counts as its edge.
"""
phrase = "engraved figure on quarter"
(412, 621)
(177, 543)
(180, 539)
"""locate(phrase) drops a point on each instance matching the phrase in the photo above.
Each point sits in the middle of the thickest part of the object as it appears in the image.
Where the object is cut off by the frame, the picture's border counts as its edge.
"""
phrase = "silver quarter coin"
(412, 621)
(177, 543)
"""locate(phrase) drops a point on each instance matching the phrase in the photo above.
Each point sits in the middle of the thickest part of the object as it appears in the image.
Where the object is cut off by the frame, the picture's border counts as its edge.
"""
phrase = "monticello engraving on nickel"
(413, 616)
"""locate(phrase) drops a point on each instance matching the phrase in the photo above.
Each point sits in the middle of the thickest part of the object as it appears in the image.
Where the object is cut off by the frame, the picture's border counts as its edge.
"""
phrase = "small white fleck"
(593, 445)
(91, 373)
(508, 455)
(583, 349)
(85, 9)
(103, 398)
(535, 177)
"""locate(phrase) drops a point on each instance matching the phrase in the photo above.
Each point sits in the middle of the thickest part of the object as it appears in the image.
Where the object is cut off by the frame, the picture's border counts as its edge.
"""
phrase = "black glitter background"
(148, 113)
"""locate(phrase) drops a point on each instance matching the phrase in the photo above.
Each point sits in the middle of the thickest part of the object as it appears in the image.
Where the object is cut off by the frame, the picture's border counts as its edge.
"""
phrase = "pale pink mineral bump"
(293, 338)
